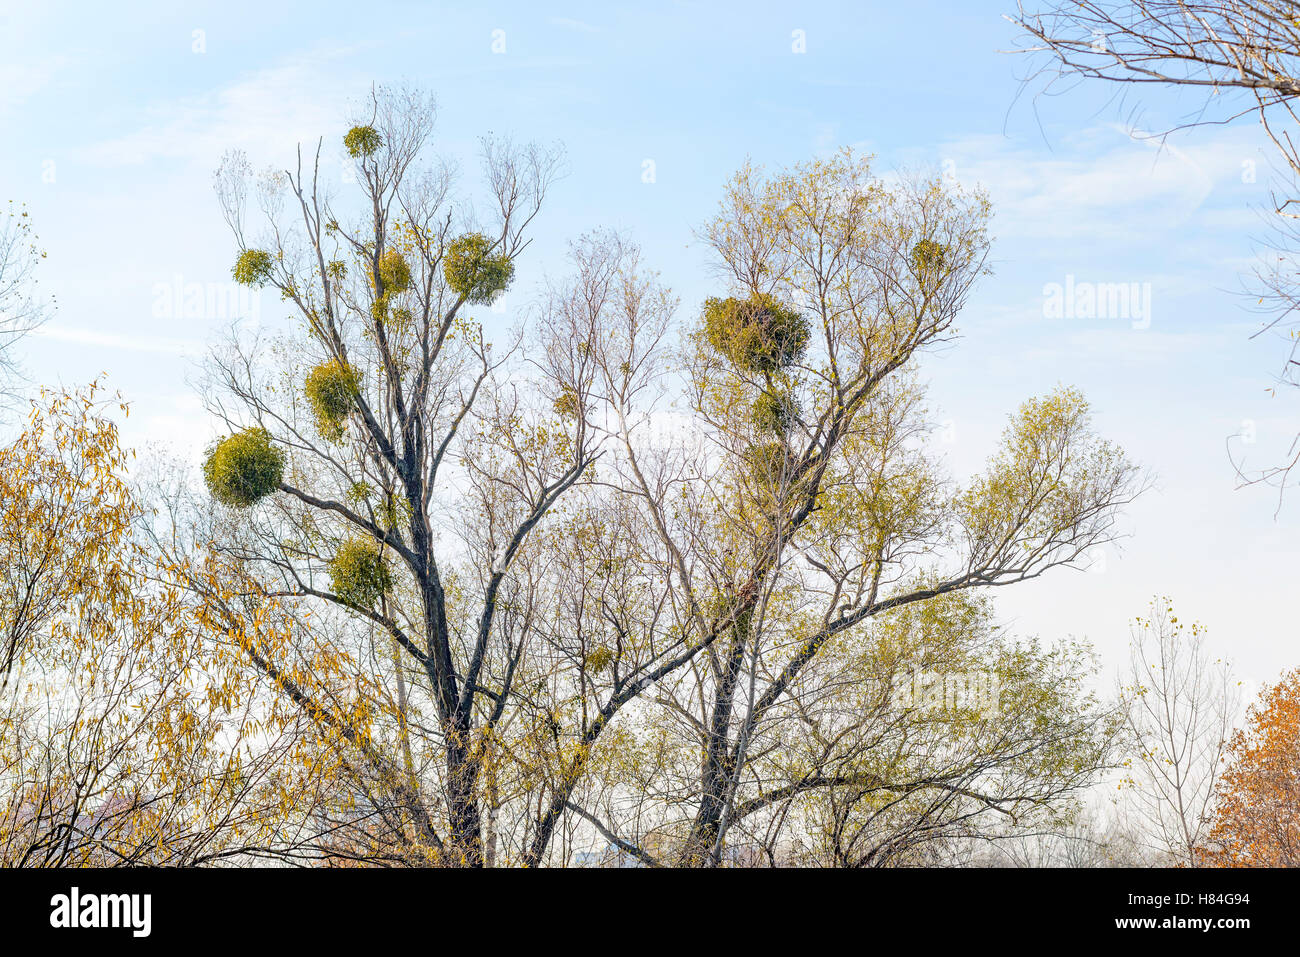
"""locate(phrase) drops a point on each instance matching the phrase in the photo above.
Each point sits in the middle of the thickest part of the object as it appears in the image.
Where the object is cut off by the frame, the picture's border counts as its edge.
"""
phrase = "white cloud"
(1102, 183)
(130, 343)
(22, 79)
(268, 112)
(1128, 345)
(570, 24)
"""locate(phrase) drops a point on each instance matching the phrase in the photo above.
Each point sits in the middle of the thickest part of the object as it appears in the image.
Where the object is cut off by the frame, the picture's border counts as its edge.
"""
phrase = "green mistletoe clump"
(243, 468)
(774, 412)
(359, 574)
(756, 334)
(253, 267)
(473, 272)
(928, 257)
(394, 271)
(332, 389)
(362, 141)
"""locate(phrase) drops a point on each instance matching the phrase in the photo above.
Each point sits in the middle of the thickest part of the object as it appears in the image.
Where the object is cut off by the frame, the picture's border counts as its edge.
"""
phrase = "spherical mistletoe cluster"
(768, 462)
(566, 404)
(332, 389)
(394, 271)
(756, 334)
(774, 412)
(362, 141)
(599, 658)
(243, 468)
(253, 267)
(472, 271)
(928, 256)
(359, 573)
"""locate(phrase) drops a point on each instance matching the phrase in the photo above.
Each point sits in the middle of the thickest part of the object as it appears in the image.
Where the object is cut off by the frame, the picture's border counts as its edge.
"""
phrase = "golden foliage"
(121, 710)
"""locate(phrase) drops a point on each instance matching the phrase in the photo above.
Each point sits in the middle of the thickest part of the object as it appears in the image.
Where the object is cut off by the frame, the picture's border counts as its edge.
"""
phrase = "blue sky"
(113, 121)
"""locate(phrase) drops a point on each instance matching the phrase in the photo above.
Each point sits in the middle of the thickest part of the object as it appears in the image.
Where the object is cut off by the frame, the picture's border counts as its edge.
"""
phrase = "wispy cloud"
(91, 338)
(272, 110)
(1105, 185)
(570, 24)
(22, 79)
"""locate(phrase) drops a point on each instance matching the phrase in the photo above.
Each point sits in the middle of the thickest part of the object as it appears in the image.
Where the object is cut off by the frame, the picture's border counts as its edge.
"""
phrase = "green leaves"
(359, 573)
(927, 256)
(243, 468)
(253, 267)
(362, 141)
(774, 412)
(332, 389)
(757, 334)
(473, 272)
(394, 271)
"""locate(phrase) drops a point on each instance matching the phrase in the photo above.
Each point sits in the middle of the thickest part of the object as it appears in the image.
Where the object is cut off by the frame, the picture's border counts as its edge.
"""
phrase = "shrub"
(332, 389)
(243, 468)
(472, 271)
(362, 141)
(756, 334)
(253, 267)
(394, 271)
(774, 412)
(359, 573)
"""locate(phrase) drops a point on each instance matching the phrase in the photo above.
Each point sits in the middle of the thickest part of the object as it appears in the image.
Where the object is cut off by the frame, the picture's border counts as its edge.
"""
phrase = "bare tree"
(393, 388)
(584, 600)
(1245, 56)
(789, 517)
(1096, 836)
(1181, 706)
(21, 309)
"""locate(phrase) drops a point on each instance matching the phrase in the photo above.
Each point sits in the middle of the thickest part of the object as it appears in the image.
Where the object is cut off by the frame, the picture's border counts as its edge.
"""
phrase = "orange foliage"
(1257, 820)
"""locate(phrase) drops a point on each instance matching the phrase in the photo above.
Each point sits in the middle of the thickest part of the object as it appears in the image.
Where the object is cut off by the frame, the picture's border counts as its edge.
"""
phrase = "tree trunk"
(717, 769)
(465, 843)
